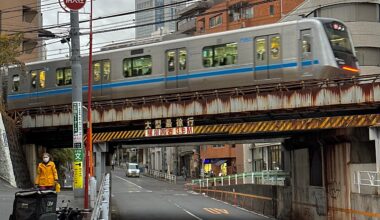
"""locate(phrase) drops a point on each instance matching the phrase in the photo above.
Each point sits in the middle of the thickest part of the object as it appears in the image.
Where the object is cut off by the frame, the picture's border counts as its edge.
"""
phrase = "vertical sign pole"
(89, 169)
(77, 104)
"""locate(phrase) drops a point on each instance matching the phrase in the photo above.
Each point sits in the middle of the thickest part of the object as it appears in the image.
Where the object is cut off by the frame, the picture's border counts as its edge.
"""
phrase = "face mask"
(46, 159)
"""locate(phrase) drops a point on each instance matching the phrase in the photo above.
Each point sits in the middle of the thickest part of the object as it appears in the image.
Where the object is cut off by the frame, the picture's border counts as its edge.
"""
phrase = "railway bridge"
(329, 132)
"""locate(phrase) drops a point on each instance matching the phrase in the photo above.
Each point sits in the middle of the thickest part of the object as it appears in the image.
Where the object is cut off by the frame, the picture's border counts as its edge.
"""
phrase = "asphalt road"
(145, 198)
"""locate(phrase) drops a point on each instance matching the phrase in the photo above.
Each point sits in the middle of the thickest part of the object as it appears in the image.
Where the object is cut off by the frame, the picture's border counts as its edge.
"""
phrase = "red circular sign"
(75, 4)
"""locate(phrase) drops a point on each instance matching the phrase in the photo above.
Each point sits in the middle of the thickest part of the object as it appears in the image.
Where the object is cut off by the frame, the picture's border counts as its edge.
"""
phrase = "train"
(310, 48)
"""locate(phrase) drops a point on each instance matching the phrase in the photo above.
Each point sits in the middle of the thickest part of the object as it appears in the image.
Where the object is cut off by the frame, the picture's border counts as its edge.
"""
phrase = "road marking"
(178, 206)
(216, 211)
(129, 182)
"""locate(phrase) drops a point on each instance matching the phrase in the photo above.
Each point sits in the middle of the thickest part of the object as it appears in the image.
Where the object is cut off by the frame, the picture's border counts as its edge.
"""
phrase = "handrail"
(367, 178)
(102, 205)
(161, 175)
(270, 177)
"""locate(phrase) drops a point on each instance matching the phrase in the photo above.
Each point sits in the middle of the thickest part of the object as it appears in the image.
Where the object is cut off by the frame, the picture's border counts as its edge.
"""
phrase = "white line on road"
(187, 212)
(129, 182)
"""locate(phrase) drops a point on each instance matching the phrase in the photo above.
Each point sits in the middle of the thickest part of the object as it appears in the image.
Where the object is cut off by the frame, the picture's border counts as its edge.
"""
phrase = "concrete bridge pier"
(101, 154)
(374, 135)
(32, 159)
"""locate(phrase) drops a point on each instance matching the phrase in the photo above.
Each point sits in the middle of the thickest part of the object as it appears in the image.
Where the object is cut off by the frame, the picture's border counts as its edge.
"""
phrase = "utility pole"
(77, 104)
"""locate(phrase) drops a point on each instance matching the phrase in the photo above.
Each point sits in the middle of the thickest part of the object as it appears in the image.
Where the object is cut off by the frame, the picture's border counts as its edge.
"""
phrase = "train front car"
(342, 49)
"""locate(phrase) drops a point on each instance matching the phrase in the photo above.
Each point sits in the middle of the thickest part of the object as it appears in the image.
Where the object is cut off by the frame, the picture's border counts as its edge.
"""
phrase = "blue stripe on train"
(162, 79)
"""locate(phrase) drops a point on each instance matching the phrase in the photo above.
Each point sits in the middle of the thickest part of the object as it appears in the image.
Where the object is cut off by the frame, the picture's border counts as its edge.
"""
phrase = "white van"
(132, 169)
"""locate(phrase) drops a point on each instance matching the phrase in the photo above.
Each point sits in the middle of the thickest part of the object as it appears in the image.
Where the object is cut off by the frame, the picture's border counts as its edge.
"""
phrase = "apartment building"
(23, 16)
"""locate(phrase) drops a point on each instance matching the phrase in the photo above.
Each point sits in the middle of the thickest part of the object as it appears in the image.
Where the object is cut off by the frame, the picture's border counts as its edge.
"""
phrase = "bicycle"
(69, 213)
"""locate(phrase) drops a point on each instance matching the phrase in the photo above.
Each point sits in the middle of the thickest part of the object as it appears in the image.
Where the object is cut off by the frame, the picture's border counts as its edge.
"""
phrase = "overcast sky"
(101, 8)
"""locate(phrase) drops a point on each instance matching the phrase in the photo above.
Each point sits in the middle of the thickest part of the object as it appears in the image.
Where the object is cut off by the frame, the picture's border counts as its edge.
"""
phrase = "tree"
(9, 50)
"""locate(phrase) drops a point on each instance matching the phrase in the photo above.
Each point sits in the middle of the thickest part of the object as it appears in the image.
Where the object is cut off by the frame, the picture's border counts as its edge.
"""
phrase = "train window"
(42, 79)
(33, 78)
(170, 56)
(306, 43)
(261, 46)
(64, 76)
(275, 47)
(106, 70)
(220, 55)
(137, 66)
(182, 59)
(96, 71)
(68, 76)
(16, 83)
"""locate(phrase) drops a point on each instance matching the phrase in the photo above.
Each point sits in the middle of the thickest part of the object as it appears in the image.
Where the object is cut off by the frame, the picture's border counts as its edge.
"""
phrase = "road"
(7, 195)
(145, 198)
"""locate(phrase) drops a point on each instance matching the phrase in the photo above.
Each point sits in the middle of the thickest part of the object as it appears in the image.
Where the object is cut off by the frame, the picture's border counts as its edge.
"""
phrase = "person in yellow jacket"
(47, 176)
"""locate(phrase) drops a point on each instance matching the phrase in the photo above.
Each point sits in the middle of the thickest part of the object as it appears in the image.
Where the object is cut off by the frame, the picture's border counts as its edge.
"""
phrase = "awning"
(220, 162)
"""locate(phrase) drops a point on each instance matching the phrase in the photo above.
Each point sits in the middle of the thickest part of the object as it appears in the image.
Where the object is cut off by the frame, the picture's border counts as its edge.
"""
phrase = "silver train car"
(315, 48)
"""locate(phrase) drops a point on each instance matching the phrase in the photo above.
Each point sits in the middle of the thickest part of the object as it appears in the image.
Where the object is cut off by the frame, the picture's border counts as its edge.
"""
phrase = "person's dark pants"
(47, 188)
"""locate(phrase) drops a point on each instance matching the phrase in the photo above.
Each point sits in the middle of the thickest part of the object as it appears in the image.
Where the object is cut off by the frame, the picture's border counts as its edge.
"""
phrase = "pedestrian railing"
(367, 178)
(272, 177)
(102, 204)
(161, 175)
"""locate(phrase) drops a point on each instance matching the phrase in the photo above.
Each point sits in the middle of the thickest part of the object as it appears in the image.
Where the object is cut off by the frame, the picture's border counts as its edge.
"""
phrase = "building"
(362, 18)
(235, 14)
(155, 18)
(22, 16)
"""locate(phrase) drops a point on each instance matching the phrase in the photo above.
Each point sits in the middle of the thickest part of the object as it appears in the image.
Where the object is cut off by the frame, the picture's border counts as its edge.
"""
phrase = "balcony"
(193, 9)
(187, 26)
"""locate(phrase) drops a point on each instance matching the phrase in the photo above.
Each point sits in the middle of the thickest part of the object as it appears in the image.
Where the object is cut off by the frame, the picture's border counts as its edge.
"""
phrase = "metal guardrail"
(266, 178)
(102, 204)
(160, 175)
(367, 178)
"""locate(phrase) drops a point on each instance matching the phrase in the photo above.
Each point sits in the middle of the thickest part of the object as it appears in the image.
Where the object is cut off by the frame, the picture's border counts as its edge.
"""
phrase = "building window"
(64, 76)
(215, 21)
(137, 66)
(234, 14)
(16, 83)
(220, 55)
(248, 13)
(271, 10)
(201, 25)
(28, 46)
(28, 14)
(368, 56)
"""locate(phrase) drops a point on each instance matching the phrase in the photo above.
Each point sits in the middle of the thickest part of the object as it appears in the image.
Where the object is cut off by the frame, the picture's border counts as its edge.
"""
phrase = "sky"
(100, 8)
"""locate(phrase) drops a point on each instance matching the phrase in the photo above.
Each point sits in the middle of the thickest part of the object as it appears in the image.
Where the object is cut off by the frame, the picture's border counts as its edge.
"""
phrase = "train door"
(306, 53)
(261, 58)
(176, 68)
(275, 57)
(37, 83)
(101, 75)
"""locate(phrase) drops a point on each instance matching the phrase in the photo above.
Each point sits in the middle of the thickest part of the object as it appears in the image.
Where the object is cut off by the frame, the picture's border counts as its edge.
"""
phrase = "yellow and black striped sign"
(260, 127)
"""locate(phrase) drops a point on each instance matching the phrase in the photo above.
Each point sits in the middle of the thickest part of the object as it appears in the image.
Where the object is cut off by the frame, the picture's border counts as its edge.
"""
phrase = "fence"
(272, 177)
(102, 204)
(160, 175)
(367, 178)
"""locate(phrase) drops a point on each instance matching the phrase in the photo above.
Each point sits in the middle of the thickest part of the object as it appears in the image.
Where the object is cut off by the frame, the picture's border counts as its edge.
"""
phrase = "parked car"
(132, 169)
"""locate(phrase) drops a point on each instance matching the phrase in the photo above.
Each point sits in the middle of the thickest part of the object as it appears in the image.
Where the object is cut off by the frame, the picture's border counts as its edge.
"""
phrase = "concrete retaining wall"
(17, 154)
